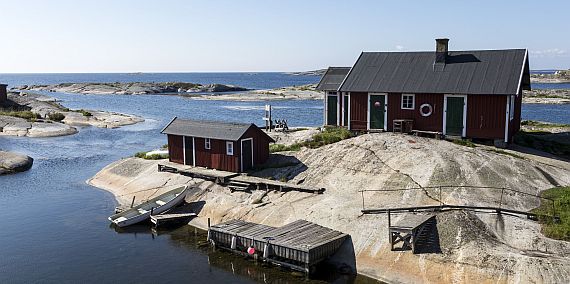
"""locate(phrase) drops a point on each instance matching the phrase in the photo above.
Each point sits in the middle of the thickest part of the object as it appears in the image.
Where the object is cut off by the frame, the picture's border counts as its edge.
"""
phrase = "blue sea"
(54, 227)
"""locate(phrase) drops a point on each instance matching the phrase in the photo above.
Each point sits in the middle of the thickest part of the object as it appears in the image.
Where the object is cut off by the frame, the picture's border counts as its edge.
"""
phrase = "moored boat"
(153, 206)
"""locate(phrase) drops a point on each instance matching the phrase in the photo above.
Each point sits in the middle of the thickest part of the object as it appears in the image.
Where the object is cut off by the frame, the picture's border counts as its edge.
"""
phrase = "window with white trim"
(207, 144)
(408, 101)
(512, 108)
(229, 148)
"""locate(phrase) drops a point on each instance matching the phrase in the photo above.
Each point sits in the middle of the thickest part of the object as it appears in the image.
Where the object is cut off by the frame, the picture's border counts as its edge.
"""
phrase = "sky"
(60, 36)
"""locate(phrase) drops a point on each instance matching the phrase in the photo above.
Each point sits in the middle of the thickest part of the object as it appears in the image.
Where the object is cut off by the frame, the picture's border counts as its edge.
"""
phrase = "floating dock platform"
(298, 245)
(172, 218)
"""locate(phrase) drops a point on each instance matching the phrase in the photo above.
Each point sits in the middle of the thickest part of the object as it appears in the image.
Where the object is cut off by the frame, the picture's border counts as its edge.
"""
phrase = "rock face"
(13, 163)
(136, 88)
(475, 247)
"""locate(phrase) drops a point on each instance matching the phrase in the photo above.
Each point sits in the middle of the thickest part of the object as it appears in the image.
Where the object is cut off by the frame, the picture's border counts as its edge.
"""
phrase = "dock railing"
(498, 205)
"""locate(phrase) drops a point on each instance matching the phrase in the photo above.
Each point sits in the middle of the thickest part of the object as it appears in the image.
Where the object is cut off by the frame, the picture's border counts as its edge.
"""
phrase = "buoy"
(250, 250)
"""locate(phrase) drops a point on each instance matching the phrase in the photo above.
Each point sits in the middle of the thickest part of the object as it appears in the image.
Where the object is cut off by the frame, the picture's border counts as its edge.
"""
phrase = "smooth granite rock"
(12, 163)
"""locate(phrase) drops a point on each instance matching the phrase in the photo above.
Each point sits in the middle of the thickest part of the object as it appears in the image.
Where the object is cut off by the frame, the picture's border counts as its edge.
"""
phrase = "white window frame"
(229, 148)
(413, 101)
(207, 144)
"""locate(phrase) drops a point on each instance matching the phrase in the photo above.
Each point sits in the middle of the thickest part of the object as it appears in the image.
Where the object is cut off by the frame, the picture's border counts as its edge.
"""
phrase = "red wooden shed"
(470, 94)
(233, 147)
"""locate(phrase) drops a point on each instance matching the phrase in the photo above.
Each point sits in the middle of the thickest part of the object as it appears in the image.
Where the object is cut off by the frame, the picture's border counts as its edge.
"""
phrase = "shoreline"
(345, 166)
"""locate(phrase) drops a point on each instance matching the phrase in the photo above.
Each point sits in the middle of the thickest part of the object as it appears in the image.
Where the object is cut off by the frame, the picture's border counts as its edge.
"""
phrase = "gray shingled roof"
(208, 129)
(465, 72)
(332, 79)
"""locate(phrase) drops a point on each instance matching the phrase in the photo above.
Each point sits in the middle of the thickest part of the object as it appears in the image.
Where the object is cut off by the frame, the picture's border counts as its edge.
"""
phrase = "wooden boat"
(156, 205)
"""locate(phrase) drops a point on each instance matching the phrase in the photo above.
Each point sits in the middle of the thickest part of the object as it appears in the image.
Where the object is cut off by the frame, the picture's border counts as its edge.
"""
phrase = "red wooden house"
(224, 146)
(470, 94)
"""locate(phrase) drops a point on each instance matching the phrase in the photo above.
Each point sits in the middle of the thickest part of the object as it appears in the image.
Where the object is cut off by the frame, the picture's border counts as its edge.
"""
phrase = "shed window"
(230, 148)
(207, 144)
(408, 101)
(512, 107)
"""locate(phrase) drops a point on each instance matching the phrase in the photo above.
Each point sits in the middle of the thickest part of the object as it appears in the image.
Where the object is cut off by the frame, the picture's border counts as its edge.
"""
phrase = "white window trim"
(241, 155)
(464, 132)
(413, 101)
(229, 146)
(207, 144)
(385, 110)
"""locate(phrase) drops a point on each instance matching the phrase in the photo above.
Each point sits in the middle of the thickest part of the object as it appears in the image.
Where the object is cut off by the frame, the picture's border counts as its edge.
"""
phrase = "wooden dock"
(172, 218)
(235, 181)
(298, 245)
(410, 230)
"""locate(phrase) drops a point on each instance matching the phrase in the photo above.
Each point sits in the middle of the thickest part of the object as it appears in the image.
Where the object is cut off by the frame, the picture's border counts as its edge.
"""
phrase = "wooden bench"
(435, 134)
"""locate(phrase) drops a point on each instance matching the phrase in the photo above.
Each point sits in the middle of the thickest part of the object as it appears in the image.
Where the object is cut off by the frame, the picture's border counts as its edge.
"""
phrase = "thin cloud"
(552, 52)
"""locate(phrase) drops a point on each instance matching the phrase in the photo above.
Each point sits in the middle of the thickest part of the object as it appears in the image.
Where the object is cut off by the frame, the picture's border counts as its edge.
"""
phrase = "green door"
(454, 116)
(332, 110)
(377, 112)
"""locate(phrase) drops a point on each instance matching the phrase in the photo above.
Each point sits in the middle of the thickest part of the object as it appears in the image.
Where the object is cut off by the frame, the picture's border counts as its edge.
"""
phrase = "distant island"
(319, 72)
(560, 76)
(132, 88)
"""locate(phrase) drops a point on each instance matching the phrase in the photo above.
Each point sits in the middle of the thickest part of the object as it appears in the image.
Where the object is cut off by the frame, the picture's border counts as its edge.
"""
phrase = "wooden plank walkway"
(227, 178)
(409, 230)
(164, 219)
(298, 245)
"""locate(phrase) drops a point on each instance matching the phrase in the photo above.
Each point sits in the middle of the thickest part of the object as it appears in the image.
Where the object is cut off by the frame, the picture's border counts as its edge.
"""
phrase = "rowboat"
(153, 206)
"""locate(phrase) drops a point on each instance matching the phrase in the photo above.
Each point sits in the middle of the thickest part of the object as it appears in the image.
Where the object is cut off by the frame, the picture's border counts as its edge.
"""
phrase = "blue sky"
(264, 35)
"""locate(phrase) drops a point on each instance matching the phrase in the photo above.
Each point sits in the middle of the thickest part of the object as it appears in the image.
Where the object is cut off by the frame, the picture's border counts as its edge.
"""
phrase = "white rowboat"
(156, 205)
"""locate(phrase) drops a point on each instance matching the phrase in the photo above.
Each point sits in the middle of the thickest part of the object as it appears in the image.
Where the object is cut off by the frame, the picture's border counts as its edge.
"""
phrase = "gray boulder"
(13, 163)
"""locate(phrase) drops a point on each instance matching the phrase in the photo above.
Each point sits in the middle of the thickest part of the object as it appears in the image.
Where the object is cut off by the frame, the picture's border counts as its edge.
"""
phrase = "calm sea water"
(54, 227)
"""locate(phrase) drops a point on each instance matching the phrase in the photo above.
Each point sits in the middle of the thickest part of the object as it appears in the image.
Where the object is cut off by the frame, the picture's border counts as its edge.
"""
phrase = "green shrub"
(328, 136)
(84, 112)
(56, 116)
(550, 228)
(28, 115)
(141, 155)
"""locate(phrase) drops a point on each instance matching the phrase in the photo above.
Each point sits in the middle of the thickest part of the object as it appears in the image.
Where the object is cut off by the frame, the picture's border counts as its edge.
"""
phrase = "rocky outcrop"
(134, 88)
(13, 163)
(303, 92)
(560, 76)
(547, 96)
(474, 247)
(41, 125)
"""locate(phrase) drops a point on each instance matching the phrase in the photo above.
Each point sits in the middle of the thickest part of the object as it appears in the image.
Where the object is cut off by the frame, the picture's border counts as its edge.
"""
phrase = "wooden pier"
(410, 230)
(235, 181)
(298, 245)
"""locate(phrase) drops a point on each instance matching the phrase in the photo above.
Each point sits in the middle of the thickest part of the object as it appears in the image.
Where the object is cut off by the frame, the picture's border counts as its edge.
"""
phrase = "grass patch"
(540, 124)
(556, 230)
(56, 116)
(464, 142)
(499, 151)
(143, 155)
(328, 136)
(28, 115)
(542, 142)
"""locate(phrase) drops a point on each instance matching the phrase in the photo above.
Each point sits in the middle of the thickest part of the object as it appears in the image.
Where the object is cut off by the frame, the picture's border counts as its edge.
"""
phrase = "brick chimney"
(441, 49)
(3, 93)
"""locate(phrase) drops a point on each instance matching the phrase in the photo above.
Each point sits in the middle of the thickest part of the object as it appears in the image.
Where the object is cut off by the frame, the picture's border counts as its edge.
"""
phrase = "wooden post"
(151, 210)
(133, 202)
(390, 238)
(208, 237)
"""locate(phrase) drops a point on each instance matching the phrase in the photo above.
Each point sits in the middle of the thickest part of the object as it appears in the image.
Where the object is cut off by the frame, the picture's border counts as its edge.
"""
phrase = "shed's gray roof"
(332, 79)
(465, 72)
(209, 129)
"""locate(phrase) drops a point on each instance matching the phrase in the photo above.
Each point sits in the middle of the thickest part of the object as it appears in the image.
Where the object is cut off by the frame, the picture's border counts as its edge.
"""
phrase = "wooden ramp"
(172, 218)
(410, 230)
(235, 181)
(298, 245)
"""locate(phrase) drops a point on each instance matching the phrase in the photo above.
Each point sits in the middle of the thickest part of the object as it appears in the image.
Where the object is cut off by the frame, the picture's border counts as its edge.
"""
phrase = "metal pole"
(440, 200)
(362, 199)
(133, 202)
(501, 200)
